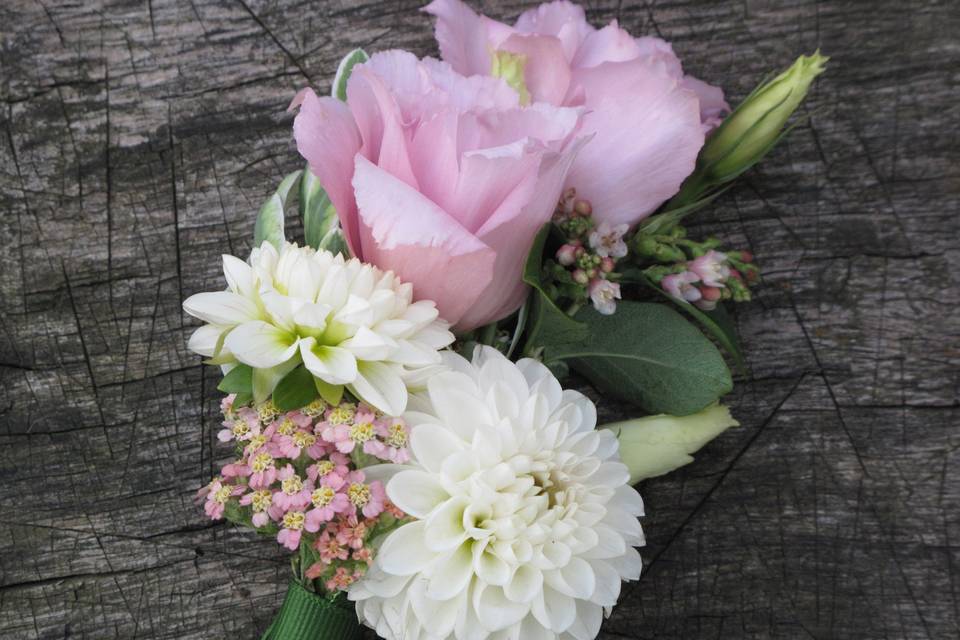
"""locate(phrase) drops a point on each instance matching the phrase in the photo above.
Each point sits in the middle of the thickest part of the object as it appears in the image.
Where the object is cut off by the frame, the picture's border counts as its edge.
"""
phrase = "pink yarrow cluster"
(299, 476)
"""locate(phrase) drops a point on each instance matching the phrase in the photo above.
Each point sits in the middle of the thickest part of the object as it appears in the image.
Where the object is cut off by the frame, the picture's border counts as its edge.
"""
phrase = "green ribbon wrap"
(310, 616)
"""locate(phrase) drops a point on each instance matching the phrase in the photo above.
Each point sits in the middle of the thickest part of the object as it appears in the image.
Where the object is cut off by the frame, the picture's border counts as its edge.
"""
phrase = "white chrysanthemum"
(526, 523)
(350, 323)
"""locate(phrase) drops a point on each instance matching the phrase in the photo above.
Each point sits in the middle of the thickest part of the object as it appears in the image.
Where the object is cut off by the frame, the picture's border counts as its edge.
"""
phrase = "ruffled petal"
(261, 345)
(328, 138)
(407, 233)
(647, 137)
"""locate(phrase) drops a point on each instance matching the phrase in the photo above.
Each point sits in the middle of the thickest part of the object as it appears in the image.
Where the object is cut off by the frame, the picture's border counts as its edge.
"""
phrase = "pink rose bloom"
(441, 178)
(649, 119)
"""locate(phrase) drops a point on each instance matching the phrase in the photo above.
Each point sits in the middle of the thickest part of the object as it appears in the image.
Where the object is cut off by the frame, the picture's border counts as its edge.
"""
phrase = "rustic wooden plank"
(138, 139)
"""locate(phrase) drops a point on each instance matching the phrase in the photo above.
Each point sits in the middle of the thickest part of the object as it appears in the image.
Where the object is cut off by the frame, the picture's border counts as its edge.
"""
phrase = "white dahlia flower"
(349, 323)
(525, 521)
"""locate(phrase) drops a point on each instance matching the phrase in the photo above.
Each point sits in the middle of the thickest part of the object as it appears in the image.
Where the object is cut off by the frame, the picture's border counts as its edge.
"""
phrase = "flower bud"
(567, 255)
(580, 276)
(752, 129)
(607, 265)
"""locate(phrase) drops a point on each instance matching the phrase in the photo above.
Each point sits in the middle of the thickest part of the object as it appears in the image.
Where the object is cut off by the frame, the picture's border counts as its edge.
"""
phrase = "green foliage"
(339, 88)
(321, 226)
(295, 390)
(270, 220)
(238, 380)
(648, 354)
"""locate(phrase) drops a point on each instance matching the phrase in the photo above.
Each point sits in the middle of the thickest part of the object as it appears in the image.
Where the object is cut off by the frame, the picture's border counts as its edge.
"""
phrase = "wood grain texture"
(137, 140)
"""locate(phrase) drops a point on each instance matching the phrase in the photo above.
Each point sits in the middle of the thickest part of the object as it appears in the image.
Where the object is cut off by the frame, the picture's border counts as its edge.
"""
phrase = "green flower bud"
(752, 129)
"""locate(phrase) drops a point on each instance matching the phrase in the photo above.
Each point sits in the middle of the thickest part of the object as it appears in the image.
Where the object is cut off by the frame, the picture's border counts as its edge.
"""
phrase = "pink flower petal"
(610, 44)
(647, 138)
(547, 72)
(326, 134)
(712, 104)
(404, 231)
(564, 20)
(462, 35)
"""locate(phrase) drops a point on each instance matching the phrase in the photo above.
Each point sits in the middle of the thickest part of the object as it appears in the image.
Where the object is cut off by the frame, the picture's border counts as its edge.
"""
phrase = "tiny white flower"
(607, 241)
(604, 295)
(349, 323)
(525, 521)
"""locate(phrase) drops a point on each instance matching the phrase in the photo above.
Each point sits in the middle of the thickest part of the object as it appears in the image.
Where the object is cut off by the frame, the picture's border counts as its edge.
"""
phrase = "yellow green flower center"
(324, 467)
(268, 411)
(257, 441)
(222, 494)
(303, 439)
(322, 497)
(359, 494)
(261, 500)
(342, 414)
(397, 435)
(361, 432)
(315, 408)
(291, 485)
(293, 520)
(287, 427)
(240, 428)
(262, 462)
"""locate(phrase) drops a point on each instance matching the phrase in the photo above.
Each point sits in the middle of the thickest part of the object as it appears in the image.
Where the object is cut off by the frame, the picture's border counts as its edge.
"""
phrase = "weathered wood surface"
(137, 139)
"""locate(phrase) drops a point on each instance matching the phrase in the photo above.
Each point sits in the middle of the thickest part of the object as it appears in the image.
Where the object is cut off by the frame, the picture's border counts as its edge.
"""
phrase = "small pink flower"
(680, 286)
(364, 555)
(378, 496)
(244, 427)
(292, 530)
(327, 503)
(316, 570)
(330, 473)
(263, 470)
(217, 497)
(294, 492)
(347, 436)
(291, 446)
(352, 533)
(330, 547)
(711, 268)
(604, 295)
(607, 240)
(260, 501)
(341, 579)
(226, 405)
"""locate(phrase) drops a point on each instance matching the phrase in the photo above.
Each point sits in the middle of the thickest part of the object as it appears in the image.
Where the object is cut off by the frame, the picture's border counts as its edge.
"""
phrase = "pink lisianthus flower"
(648, 118)
(432, 173)
(680, 286)
(711, 268)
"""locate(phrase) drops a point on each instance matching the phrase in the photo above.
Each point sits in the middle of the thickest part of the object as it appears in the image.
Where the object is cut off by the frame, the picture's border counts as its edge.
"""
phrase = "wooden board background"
(138, 138)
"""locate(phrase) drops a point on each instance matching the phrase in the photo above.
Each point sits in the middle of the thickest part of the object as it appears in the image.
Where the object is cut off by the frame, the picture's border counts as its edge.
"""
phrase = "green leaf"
(321, 226)
(717, 322)
(238, 380)
(295, 390)
(243, 399)
(547, 325)
(269, 226)
(339, 88)
(266, 380)
(331, 393)
(650, 355)
(663, 222)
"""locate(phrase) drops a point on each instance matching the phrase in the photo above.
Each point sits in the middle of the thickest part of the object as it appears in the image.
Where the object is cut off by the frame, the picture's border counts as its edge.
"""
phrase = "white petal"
(240, 277)
(311, 319)
(331, 364)
(444, 527)
(432, 444)
(416, 493)
(494, 610)
(261, 345)
(381, 386)
(367, 345)
(488, 567)
(586, 626)
(554, 610)
(525, 584)
(204, 340)
(404, 552)
(451, 574)
(608, 584)
(221, 307)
